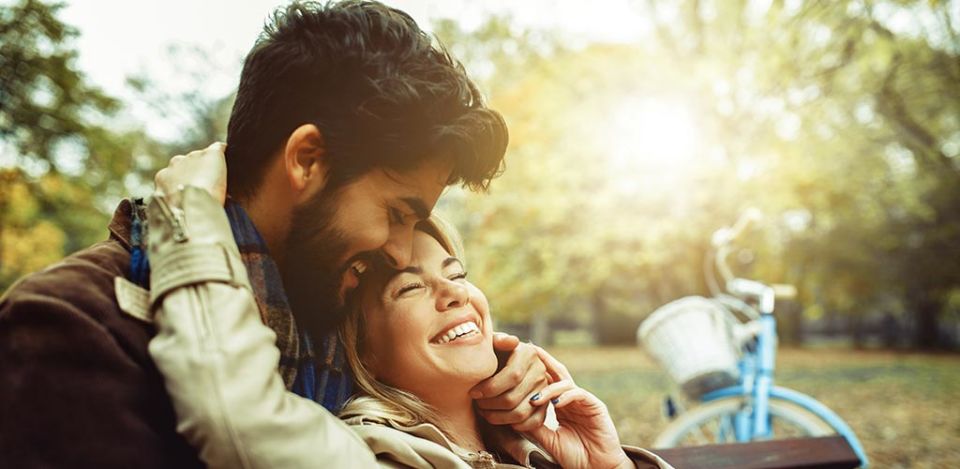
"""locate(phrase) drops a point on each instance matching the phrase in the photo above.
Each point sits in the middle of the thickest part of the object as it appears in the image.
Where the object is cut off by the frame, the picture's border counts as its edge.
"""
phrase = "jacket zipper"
(175, 217)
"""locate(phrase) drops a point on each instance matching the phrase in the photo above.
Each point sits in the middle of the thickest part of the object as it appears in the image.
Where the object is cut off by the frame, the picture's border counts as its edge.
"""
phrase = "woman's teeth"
(358, 267)
(466, 329)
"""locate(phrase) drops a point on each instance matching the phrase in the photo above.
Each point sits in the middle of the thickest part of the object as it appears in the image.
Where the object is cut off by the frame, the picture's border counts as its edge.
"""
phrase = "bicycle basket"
(692, 339)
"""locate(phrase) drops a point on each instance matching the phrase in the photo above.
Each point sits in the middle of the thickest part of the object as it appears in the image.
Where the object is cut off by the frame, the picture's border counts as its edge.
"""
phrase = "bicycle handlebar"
(725, 236)
(764, 294)
(722, 238)
(784, 291)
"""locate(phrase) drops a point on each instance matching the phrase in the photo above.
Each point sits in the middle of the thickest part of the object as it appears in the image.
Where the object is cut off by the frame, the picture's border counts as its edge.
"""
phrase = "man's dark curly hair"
(383, 93)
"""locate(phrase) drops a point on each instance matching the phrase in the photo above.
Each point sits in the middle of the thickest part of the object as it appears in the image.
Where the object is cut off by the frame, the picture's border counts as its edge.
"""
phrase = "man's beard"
(312, 273)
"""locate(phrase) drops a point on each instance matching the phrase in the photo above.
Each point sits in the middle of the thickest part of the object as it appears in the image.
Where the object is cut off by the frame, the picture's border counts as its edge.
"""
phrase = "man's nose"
(452, 294)
(398, 250)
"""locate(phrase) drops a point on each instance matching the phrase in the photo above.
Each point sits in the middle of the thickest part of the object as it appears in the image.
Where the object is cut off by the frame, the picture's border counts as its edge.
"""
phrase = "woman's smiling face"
(427, 328)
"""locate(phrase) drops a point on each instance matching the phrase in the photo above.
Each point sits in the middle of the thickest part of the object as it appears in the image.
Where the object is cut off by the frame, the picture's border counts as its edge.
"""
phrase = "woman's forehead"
(426, 245)
(425, 249)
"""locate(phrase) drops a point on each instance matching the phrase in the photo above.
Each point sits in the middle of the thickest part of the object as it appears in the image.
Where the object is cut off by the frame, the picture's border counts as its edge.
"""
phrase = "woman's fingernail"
(555, 400)
(476, 394)
(535, 397)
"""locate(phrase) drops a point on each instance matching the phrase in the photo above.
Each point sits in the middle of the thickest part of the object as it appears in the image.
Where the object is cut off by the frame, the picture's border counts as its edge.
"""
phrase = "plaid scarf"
(327, 381)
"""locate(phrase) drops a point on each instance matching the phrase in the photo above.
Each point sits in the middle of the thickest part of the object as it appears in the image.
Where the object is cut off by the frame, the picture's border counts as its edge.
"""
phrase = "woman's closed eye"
(409, 287)
(416, 285)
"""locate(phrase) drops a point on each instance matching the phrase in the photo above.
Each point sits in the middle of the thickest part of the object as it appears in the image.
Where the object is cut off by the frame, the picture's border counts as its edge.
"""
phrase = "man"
(347, 126)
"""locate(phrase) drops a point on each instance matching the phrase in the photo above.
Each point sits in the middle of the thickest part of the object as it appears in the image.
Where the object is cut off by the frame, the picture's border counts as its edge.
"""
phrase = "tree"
(815, 111)
(47, 110)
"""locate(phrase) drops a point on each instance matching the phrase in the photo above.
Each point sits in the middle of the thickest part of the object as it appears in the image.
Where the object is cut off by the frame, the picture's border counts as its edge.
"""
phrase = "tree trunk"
(856, 330)
(540, 329)
(790, 323)
(600, 319)
(926, 311)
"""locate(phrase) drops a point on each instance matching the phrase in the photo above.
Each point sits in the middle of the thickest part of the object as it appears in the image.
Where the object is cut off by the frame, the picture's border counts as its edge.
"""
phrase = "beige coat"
(219, 362)
(425, 445)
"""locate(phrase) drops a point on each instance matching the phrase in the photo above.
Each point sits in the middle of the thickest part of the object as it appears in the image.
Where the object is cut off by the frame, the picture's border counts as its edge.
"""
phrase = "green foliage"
(198, 117)
(44, 100)
(46, 114)
(844, 132)
(69, 152)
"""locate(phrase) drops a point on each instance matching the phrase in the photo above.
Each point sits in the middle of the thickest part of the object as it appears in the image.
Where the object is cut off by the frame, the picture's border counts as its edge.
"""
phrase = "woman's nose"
(452, 295)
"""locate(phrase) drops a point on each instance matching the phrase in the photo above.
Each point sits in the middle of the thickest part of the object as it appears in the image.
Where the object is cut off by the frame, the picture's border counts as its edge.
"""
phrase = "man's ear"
(304, 159)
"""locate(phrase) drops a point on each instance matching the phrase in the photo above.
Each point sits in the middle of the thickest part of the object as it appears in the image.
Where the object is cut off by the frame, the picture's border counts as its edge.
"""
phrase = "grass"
(905, 408)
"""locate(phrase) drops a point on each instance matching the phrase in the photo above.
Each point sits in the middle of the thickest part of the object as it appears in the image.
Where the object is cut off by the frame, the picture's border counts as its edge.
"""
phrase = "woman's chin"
(482, 369)
(470, 369)
(466, 361)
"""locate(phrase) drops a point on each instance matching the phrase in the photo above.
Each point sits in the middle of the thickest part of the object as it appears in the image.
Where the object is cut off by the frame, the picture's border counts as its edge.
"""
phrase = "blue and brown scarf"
(317, 371)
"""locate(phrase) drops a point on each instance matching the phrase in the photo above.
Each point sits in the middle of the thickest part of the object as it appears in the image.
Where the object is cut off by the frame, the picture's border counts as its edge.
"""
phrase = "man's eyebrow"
(450, 260)
(418, 206)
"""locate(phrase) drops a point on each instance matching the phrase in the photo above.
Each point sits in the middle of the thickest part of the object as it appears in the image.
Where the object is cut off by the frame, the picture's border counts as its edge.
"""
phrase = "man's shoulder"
(62, 328)
(81, 278)
(81, 285)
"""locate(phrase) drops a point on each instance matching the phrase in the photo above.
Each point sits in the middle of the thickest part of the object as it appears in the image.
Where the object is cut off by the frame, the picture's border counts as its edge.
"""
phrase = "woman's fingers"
(530, 382)
(551, 392)
(545, 437)
(532, 422)
(205, 169)
(558, 371)
(523, 361)
(564, 393)
(573, 395)
(514, 407)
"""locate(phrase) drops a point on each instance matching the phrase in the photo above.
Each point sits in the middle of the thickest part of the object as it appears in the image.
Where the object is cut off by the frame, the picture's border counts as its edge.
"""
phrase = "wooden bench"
(828, 452)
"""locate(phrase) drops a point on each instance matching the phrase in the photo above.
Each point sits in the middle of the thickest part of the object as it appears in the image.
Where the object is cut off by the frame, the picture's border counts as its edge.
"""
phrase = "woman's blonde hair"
(374, 399)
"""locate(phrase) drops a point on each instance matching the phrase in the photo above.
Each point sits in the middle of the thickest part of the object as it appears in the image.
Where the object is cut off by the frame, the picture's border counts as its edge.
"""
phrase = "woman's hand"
(206, 169)
(586, 436)
(502, 398)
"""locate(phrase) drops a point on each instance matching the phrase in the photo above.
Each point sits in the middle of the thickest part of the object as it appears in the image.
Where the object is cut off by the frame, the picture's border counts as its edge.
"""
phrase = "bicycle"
(728, 367)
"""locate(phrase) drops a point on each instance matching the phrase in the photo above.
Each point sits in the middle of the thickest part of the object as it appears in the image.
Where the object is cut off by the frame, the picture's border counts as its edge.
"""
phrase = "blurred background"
(637, 129)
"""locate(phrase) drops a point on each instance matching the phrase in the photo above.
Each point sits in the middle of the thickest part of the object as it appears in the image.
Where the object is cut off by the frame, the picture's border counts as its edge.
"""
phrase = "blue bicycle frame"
(756, 384)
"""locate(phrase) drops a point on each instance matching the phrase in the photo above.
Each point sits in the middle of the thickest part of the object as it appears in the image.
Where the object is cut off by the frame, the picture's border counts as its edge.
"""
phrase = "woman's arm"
(219, 360)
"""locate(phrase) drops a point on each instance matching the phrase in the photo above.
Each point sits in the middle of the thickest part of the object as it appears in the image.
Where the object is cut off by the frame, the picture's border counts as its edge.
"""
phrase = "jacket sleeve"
(219, 360)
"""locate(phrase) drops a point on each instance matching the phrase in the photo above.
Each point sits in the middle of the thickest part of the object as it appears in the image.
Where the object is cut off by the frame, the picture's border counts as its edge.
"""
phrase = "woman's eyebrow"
(409, 270)
(393, 274)
(450, 260)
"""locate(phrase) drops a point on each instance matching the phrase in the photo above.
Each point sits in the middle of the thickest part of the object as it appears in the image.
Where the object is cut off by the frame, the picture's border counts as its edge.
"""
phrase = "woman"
(418, 341)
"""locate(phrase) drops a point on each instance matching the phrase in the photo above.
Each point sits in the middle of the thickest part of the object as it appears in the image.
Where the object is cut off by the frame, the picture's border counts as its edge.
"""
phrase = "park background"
(637, 129)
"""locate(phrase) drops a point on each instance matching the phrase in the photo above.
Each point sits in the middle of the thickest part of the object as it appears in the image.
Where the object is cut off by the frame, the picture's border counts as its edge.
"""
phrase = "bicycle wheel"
(712, 423)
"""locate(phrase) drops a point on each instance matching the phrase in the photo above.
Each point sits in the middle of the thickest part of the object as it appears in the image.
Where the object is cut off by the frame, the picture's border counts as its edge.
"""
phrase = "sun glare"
(651, 138)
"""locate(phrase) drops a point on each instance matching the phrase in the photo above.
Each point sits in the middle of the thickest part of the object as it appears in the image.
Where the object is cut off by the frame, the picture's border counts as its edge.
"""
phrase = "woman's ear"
(304, 159)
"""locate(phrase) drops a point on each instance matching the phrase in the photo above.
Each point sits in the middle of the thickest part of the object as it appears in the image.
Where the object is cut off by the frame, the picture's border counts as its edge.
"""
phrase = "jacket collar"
(120, 224)
(502, 439)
